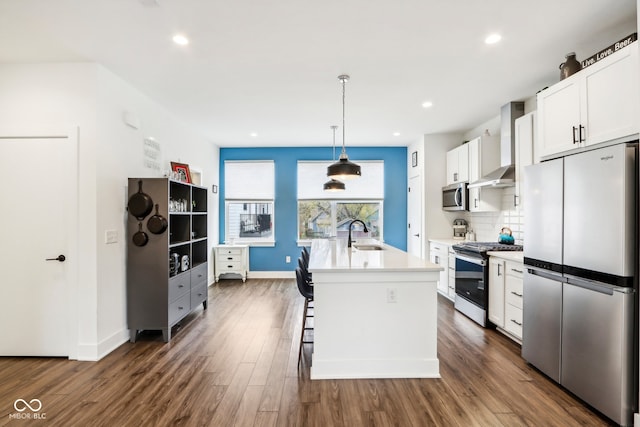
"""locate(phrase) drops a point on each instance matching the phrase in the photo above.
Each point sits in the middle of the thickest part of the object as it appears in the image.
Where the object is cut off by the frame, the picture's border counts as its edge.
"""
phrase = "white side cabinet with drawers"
(231, 259)
(505, 293)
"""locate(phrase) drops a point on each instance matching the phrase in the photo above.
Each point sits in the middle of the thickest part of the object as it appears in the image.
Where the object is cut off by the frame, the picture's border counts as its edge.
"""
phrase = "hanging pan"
(157, 224)
(140, 238)
(140, 204)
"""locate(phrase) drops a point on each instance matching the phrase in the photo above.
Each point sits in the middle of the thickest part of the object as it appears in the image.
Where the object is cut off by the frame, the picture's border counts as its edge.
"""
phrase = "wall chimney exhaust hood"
(505, 175)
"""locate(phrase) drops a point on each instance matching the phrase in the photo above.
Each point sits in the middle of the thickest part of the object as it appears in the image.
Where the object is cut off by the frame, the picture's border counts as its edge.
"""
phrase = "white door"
(414, 217)
(39, 203)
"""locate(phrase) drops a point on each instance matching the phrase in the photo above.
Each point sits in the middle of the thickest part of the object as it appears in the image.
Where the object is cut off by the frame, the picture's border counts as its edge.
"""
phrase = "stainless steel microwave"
(455, 197)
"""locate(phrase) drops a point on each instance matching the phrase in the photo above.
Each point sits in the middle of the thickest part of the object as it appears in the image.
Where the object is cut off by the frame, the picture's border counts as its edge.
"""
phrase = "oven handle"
(477, 261)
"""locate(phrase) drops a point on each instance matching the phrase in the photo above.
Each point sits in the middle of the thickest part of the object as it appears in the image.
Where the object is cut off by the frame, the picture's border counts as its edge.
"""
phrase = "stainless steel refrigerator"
(580, 285)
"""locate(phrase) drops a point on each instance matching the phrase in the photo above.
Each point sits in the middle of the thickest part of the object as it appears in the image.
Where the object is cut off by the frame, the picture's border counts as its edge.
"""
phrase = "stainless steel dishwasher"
(598, 346)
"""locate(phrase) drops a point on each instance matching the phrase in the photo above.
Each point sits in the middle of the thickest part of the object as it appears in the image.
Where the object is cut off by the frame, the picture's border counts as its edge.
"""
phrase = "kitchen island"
(375, 312)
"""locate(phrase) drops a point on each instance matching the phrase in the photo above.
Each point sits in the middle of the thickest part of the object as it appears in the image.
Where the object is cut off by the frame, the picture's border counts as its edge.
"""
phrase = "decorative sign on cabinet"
(598, 104)
(167, 269)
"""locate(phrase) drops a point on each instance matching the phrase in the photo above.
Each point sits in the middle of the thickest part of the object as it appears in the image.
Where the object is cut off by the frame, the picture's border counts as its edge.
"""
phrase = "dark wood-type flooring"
(236, 365)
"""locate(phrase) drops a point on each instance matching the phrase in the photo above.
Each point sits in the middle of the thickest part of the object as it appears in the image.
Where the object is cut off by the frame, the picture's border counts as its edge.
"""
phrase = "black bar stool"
(306, 290)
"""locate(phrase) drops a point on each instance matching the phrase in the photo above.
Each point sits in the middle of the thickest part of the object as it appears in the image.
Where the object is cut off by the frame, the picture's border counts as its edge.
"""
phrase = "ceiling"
(271, 66)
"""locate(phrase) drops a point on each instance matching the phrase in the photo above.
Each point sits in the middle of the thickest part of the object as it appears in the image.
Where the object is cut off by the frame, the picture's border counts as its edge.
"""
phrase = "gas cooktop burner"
(483, 247)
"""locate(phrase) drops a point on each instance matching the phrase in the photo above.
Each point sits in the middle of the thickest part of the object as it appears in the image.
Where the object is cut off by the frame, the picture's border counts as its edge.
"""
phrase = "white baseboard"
(95, 352)
(271, 275)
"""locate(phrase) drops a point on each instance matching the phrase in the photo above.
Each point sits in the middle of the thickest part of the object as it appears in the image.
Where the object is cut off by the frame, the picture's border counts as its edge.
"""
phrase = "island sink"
(368, 247)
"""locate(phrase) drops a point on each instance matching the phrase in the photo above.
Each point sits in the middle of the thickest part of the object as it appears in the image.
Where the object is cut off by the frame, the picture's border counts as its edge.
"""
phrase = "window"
(328, 214)
(249, 198)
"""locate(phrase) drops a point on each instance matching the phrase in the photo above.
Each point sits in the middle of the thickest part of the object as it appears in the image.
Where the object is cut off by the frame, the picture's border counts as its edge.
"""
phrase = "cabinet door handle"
(515, 200)
(181, 286)
(581, 138)
(180, 308)
(516, 294)
(499, 265)
(575, 137)
(455, 176)
(437, 258)
(475, 202)
(517, 323)
(516, 270)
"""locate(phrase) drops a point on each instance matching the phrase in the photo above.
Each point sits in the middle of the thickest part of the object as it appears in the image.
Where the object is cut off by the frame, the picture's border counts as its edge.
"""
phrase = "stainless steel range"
(472, 277)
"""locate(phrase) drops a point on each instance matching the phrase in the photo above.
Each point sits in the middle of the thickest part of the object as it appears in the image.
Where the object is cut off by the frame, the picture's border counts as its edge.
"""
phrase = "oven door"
(471, 279)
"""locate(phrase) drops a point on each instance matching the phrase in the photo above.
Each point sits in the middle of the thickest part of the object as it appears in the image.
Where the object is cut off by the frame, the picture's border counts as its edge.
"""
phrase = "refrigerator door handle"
(546, 274)
(603, 288)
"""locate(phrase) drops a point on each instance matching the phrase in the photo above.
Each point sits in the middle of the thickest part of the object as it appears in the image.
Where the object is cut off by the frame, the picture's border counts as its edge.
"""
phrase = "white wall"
(432, 150)
(94, 99)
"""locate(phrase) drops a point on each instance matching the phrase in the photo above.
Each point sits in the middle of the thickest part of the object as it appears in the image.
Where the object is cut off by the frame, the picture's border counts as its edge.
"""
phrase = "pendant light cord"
(343, 78)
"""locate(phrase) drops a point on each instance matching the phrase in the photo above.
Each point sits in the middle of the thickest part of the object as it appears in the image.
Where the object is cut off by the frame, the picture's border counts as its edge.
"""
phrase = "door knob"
(60, 258)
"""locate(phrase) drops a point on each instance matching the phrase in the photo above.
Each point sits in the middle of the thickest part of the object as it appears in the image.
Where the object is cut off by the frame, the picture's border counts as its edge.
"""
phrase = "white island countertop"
(375, 312)
(334, 255)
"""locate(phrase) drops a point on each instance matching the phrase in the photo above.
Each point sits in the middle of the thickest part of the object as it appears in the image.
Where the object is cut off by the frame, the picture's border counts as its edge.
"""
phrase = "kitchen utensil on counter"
(157, 224)
(140, 238)
(459, 228)
(470, 236)
(140, 204)
(506, 236)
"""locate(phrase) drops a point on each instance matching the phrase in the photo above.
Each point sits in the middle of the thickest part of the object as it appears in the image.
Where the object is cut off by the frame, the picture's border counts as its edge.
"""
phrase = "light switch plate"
(111, 236)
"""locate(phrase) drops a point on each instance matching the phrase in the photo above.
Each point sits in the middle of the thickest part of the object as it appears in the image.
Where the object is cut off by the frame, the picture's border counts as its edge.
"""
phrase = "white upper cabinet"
(524, 146)
(458, 165)
(597, 104)
(484, 157)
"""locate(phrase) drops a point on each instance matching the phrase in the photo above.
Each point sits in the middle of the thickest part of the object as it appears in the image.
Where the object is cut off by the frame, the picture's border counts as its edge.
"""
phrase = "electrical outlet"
(110, 236)
(287, 259)
(392, 295)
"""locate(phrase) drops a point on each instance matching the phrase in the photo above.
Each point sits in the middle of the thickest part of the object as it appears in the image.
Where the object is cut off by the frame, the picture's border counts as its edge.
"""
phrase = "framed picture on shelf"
(182, 169)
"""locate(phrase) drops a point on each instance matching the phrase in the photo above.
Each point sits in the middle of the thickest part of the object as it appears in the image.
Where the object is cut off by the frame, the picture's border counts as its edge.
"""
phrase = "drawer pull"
(229, 266)
(230, 258)
(180, 308)
(517, 323)
(516, 270)
(181, 286)
(516, 294)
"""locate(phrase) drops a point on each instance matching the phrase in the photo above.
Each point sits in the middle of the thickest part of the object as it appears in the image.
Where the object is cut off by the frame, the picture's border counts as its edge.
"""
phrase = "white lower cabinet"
(505, 296)
(496, 291)
(513, 298)
(452, 274)
(442, 254)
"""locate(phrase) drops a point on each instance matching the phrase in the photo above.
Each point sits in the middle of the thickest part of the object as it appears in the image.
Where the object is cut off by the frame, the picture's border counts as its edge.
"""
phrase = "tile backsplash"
(487, 225)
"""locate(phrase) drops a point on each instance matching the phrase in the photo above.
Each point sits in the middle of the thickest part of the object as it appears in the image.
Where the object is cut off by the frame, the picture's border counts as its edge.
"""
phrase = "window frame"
(334, 218)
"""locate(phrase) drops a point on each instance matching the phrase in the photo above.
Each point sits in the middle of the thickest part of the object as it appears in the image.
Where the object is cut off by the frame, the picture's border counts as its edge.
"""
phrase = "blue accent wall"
(286, 203)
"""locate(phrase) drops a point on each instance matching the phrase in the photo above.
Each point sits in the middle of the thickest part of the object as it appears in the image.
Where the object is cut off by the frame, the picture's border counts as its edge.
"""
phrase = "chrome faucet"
(350, 224)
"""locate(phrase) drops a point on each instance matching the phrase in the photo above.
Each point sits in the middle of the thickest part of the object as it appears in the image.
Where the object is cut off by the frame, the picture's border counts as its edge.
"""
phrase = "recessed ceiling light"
(253, 134)
(427, 104)
(180, 39)
(493, 38)
(396, 134)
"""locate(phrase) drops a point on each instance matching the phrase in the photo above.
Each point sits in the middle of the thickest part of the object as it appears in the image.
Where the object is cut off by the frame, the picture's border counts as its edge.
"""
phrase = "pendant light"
(334, 184)
(343, 168)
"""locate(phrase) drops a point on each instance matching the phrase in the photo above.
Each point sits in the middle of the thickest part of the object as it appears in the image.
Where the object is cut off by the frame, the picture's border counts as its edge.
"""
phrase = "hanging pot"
(140, 204)
(140, 238)
(157, 224)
